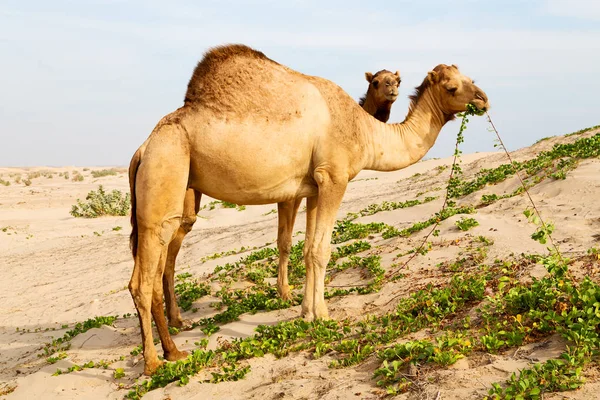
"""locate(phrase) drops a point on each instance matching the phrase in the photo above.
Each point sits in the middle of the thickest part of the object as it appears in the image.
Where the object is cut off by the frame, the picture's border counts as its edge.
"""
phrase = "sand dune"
(57, 270)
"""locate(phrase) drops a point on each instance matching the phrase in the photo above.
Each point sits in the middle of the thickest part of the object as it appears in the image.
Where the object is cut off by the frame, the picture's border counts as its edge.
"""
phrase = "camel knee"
(318, 255)
(168, 229)
(157, 303)
(187, 223)
(141, 301)
(284, 245)
(133, 289)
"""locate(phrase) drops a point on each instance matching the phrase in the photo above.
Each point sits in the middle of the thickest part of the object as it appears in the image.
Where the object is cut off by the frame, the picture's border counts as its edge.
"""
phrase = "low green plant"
(119, 373)
(442, 215)
(544, 230)
(58, 357)
(347, 230)
(552, 163)
(225, 204)
(230, 373)
(386, 206)
(188, 292)
(464, 224)
(175, 371)
(62, 343)
(99, 203)
(210, 328)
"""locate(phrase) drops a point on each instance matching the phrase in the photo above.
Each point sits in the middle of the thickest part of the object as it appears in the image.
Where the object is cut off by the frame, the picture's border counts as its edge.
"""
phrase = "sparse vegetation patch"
(99, 203)
(99, 173)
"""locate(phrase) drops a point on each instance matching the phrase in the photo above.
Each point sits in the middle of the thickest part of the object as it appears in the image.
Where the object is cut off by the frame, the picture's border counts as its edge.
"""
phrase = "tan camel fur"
(252, 131)
(382, 92)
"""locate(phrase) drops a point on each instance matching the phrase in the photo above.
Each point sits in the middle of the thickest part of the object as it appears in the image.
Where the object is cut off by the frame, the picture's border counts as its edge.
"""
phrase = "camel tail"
(133, 168)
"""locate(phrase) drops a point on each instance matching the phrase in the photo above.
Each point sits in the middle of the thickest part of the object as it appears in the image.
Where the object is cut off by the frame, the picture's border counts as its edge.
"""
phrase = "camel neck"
(379, 111)
(396, 146)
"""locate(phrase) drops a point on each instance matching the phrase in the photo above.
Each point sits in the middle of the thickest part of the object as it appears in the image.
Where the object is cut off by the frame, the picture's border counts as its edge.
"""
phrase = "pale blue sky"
(84, 82)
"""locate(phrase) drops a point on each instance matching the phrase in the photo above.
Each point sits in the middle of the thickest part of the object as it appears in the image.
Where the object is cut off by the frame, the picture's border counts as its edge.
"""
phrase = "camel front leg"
(287, 212)
(191, 206)
(331, 193)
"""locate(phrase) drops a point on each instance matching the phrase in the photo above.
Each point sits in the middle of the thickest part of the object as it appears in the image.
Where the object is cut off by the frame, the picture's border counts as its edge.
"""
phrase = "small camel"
(252, 131)
(382, 93)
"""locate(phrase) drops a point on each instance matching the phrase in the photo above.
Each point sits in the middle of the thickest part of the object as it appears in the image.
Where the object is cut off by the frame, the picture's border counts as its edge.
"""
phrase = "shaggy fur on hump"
(212, 58)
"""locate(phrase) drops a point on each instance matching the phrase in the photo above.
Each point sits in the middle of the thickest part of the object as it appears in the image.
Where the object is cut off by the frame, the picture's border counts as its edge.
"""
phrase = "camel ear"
(433, 77)
(397, 74)
(455, 67)
(369, 76)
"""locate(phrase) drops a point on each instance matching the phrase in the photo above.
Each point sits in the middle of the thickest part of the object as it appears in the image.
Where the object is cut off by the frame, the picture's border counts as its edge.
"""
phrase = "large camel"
(252, 131)
(381, 94)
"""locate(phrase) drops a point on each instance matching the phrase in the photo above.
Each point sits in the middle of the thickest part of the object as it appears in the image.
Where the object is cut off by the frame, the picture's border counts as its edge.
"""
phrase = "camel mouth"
(480, 104)
(392, 97)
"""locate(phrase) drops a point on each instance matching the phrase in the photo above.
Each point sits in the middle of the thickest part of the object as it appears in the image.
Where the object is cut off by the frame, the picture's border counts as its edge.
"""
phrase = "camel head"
(454, 90)
(384, 85)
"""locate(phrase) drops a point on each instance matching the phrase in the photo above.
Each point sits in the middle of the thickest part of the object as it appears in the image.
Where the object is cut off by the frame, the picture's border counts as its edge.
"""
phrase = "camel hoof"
(284, 292)
(180, 324)
(322, 314)
(176, 323)
(286, 296)
(150, 367)
(176, 355)
(308, 317)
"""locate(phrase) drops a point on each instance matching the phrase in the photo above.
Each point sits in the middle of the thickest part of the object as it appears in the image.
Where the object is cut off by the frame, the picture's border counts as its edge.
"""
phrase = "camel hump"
(221, 53)
(214, 63)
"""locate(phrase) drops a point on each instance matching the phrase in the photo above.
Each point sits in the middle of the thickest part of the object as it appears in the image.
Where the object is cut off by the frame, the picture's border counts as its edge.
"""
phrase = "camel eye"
(375, 84)
(451, 90)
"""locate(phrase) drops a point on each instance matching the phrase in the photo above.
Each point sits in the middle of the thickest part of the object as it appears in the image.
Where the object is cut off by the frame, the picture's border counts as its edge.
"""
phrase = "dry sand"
(58, 270)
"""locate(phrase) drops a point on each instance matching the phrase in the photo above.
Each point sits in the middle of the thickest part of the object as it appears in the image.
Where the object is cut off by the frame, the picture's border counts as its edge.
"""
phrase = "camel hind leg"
(170, 350)
(160, 187)
(191, 206)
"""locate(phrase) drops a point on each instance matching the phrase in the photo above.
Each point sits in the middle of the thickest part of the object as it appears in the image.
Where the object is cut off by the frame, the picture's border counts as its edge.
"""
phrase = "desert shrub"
(104, 172)
(99, 203)
(77, 177)
(3, 182)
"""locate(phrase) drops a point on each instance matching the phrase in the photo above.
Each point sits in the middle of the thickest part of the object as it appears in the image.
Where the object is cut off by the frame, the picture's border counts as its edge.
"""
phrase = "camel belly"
(234, 165)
